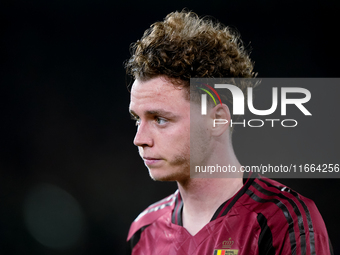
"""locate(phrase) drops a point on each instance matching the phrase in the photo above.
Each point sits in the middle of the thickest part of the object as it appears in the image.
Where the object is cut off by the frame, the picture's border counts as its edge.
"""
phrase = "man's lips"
(151, 161)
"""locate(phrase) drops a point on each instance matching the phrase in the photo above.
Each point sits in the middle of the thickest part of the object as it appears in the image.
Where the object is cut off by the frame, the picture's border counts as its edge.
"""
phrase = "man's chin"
(165, 176)
(161, 177)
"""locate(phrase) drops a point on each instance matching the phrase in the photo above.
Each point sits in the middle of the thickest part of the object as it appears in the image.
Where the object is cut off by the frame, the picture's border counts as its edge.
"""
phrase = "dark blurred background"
(71, 181)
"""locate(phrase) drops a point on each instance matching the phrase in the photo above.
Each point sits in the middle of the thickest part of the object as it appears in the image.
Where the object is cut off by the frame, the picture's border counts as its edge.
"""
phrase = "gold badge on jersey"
(226, 248)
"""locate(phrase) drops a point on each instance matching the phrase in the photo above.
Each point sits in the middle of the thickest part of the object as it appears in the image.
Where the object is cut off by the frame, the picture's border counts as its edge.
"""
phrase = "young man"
(205, 216)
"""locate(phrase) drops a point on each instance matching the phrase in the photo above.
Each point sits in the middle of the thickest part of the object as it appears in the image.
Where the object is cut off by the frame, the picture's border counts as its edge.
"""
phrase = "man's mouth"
(149, 161)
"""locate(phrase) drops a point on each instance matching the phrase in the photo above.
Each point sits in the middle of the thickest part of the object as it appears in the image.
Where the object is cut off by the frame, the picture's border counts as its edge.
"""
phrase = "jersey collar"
(176, 217)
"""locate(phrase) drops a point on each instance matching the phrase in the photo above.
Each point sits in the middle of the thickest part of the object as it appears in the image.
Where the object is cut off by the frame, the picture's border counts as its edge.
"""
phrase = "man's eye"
(161, 121)
(136, 119)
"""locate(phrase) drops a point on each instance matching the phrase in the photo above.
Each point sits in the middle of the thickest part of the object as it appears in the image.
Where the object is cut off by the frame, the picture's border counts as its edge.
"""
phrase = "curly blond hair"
(185, 46)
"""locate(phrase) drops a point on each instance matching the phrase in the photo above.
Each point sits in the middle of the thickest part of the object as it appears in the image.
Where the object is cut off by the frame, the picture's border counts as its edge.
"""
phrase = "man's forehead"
(157, 92)
(157, 85)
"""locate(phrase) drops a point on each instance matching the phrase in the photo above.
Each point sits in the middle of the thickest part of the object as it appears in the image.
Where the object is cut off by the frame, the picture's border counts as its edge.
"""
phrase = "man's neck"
(202, 197)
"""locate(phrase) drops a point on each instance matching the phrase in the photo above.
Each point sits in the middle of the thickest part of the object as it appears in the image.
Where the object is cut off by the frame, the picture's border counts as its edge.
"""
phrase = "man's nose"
(143, 136)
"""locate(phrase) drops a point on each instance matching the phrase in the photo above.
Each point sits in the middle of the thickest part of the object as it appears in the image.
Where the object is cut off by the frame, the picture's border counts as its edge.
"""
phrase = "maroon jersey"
(264, 217)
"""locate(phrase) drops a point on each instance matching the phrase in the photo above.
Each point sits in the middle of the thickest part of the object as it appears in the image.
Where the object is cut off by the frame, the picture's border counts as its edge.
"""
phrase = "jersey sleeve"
(296, 231)
(147, 218)
(289, 223)
(281, 242)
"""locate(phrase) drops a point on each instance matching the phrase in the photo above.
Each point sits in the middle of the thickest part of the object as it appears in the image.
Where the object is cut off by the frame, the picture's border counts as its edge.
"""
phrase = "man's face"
(163, 135)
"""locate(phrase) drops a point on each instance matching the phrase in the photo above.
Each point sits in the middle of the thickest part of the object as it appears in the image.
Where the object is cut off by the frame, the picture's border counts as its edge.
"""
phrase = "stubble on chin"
(177, 170)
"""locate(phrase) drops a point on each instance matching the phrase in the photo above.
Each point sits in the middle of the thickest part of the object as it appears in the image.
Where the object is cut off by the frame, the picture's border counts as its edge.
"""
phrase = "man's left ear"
(220, 116)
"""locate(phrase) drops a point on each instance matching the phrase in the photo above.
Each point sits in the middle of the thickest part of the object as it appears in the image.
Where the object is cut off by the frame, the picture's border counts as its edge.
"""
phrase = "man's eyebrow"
(158, 112)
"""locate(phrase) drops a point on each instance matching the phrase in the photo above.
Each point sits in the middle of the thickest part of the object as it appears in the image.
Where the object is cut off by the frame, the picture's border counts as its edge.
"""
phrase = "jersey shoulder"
(268, 197)
(283, 214)
(270, 194)
(152, 213)
(273, 189)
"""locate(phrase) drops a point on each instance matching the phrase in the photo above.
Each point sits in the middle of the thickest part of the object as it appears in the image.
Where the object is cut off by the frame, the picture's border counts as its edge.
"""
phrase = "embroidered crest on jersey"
(227, 244)
(226, 248)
